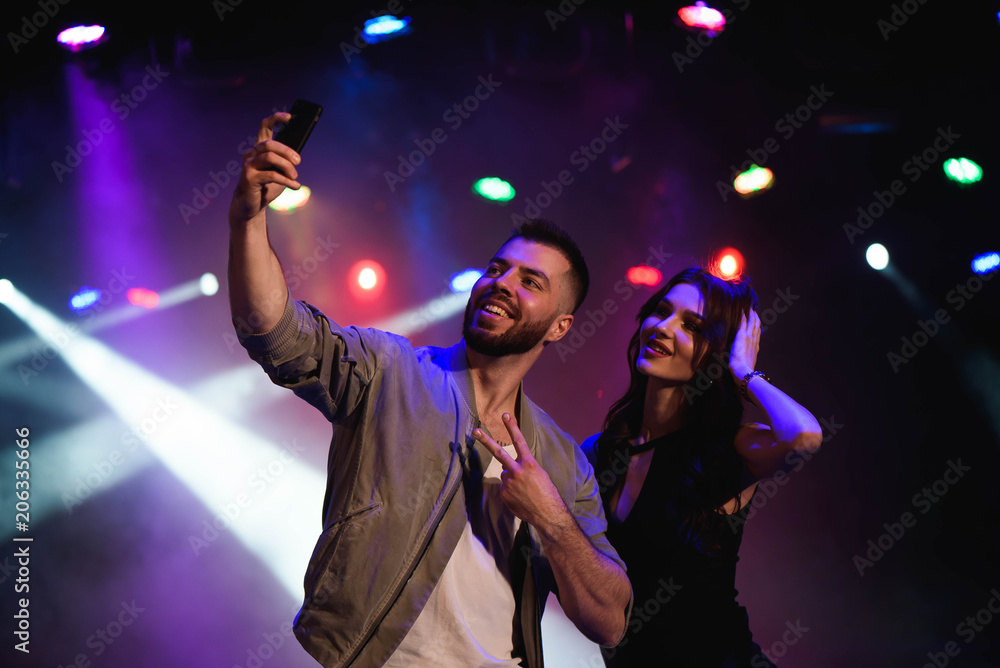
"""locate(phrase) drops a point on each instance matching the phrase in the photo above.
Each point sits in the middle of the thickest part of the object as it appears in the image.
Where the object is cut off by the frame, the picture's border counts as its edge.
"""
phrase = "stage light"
(877, 256)
(985, 263)
(643, 275)
(84, 299)
(463, 281)
(143, 297)
(494, 189)
(962, 170)
(78, 38)
(289, 199)
(208, 284)
(382, 28)
(871, 122)
(702, 17)
(754, 180)
(727, 265)
(367, 280)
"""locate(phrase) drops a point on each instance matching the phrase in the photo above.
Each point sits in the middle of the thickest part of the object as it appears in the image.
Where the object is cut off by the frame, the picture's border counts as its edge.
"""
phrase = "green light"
(495, 189)
(962, 170)
(755, 179)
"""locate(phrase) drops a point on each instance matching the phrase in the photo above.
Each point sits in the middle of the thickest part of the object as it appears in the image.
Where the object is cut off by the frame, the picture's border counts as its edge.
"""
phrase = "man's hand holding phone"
(268, 168)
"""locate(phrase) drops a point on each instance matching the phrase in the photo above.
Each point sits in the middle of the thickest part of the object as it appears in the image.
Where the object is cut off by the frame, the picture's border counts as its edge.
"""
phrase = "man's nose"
(502, 282)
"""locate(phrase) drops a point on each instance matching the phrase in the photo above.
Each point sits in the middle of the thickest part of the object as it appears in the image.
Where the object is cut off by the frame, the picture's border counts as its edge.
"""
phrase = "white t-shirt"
(469, 617)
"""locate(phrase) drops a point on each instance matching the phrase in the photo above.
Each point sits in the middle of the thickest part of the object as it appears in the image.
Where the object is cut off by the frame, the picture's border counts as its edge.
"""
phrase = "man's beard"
(519, 338)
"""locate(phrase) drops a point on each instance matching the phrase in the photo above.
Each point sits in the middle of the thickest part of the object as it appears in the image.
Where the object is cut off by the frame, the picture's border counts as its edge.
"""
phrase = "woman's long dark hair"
(714, 411)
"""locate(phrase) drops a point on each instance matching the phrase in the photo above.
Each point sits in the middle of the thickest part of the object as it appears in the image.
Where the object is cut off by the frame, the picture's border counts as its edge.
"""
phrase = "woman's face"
(669, 337)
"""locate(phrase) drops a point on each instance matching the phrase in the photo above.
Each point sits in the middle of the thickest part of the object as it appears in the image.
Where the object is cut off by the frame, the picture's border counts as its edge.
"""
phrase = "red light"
(143, 297)
(367, 280)
(643, 275)
(728, 264)
(700, 16)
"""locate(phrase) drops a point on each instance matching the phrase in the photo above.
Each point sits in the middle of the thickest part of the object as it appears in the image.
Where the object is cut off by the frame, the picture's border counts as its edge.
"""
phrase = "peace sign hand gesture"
(525, 488)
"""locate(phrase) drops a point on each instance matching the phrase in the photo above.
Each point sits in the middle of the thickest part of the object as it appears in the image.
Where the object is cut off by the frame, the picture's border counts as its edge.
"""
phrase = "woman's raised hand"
(746, 345)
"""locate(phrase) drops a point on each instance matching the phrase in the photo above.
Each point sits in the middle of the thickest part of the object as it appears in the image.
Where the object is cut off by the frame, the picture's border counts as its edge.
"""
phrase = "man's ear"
(559, 328)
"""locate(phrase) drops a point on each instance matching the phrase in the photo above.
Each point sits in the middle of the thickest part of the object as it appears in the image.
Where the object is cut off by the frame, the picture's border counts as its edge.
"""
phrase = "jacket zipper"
(408, 571)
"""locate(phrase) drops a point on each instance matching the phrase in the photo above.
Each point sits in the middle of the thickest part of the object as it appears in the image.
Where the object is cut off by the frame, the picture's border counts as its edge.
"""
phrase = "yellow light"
(290, 199)
(755, 179)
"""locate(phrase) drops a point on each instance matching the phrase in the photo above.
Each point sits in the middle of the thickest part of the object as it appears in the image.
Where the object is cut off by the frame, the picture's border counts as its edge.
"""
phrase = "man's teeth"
(496, 310)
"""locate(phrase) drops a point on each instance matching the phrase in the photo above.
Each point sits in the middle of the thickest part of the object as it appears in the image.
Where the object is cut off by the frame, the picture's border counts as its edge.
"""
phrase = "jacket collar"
(458, 366)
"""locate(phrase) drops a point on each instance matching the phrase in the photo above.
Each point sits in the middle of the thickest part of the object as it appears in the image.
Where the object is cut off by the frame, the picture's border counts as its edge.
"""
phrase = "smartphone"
(295, 132)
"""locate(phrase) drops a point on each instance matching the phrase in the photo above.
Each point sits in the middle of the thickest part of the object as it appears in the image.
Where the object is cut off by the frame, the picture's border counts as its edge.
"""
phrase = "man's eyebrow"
(536, 272)
(528, 270)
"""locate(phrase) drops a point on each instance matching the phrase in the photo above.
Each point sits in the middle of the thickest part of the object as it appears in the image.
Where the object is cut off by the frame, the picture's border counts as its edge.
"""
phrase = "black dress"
(684, 611)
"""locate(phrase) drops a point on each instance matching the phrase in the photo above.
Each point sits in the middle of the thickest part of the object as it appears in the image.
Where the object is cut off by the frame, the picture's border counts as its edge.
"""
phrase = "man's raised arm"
(257, 289)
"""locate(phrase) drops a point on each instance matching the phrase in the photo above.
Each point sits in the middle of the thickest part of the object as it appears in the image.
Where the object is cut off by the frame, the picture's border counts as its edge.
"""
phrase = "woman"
(678, 470)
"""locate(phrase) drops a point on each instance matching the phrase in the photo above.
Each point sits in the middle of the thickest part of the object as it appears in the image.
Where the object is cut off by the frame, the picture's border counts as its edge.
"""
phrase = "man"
(439, 545)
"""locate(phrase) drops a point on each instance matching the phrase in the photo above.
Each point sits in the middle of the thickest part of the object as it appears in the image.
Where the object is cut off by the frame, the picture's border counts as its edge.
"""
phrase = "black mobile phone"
(295, 132)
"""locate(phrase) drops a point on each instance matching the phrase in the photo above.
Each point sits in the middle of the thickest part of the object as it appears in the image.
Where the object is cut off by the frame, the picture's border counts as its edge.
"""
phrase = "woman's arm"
(790, 428)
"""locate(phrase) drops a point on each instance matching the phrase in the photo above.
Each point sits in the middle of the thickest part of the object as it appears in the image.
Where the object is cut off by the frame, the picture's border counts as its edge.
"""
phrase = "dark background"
(891, 431)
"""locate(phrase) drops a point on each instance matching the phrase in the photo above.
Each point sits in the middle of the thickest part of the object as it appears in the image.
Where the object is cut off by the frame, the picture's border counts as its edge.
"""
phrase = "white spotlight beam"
(216, 459)
(421, 317)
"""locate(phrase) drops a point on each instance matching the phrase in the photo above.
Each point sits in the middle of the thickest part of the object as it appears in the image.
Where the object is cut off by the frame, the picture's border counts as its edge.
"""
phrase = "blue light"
(985, 263)
(869, 128)
(463, 281)
(382, 28)
(84, 299)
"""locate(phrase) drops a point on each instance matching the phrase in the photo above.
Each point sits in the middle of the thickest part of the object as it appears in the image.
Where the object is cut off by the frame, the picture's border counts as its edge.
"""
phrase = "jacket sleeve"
(327, 365)
(588, 508)
(589, 513)
(589, 447)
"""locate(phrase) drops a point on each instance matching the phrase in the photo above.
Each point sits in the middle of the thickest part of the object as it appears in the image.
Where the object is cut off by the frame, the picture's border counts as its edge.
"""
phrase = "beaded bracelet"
(746, 381)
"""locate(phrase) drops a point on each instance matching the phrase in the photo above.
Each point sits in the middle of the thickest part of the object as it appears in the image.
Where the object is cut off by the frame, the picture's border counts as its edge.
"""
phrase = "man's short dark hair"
(548, 233)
